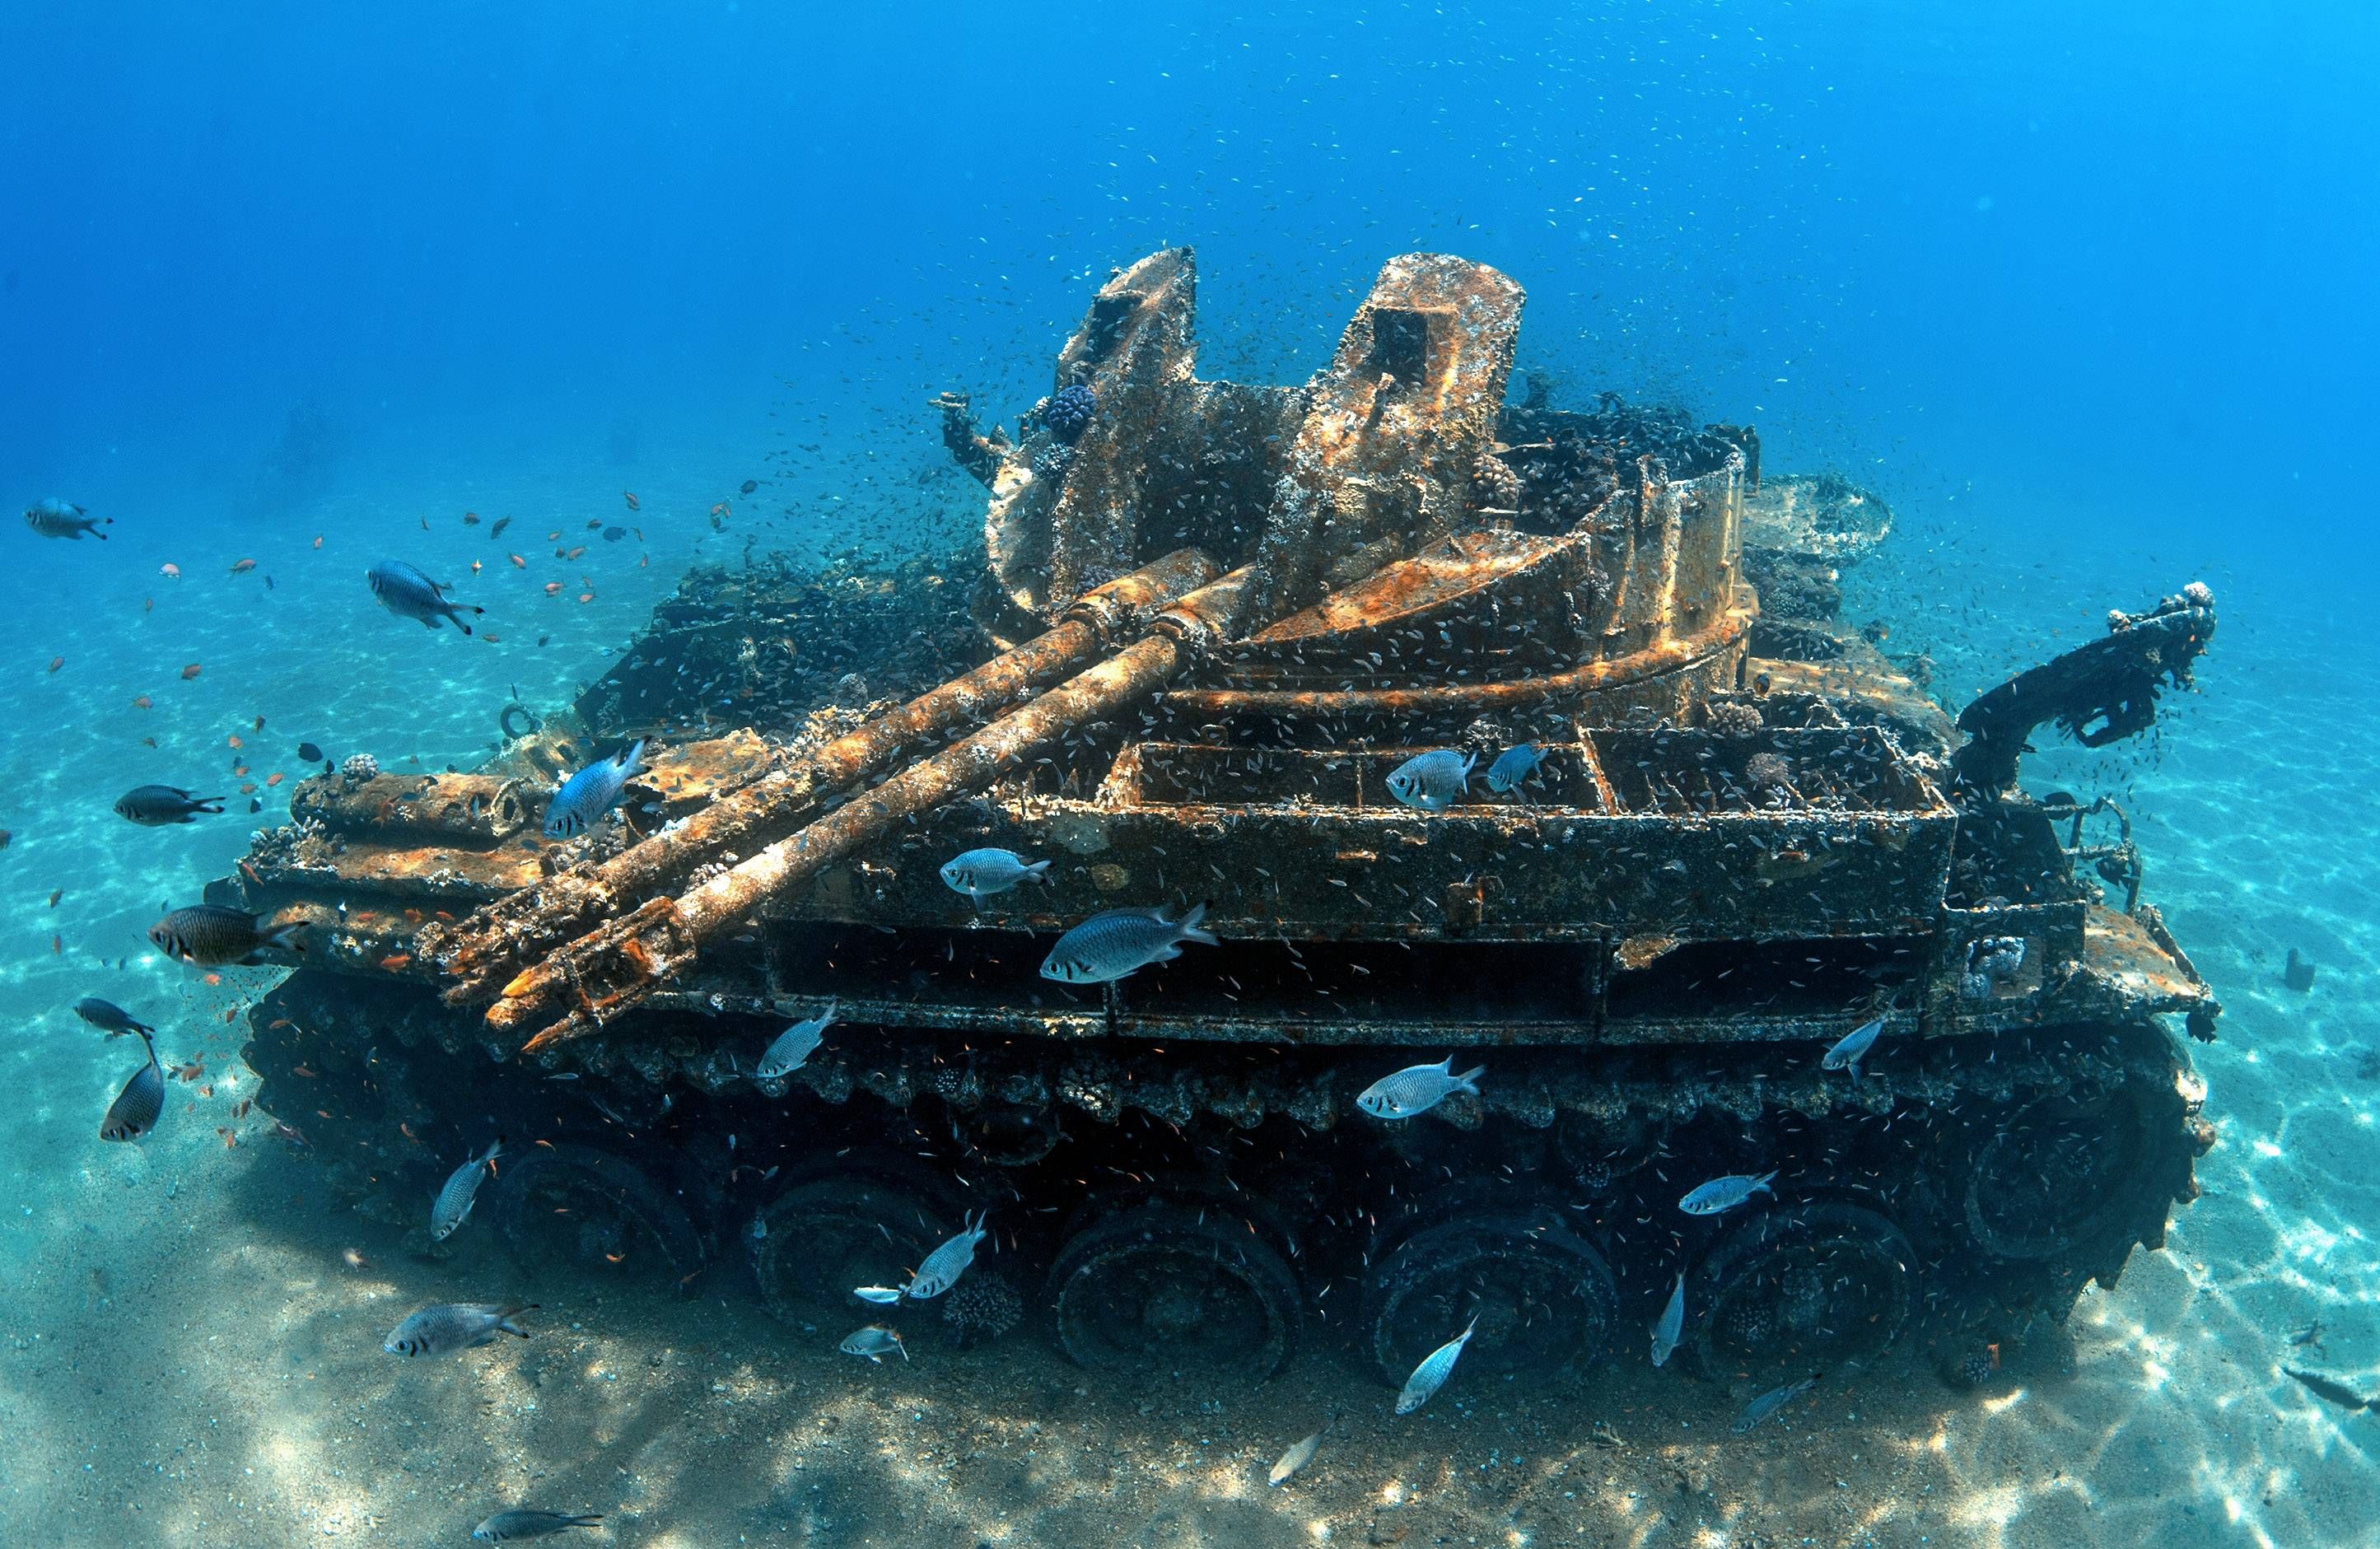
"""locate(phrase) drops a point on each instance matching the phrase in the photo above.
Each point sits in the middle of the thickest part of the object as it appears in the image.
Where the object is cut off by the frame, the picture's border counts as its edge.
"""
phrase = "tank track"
(1967, 1187)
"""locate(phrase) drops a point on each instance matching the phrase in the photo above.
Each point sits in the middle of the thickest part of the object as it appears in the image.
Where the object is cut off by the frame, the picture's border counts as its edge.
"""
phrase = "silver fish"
(1432, 780)
(1514, 766)
(1726, 1194)
(883, 1296)
(1435, 1368)
(946, 1263)
(1769, 1403)
(521, 1522)
(1417, 1089)
(210, 934)
(1671, 1324)
(795, 1045)
(153, 806)
(1852, 1048)
(1116, 942)
(134, 1112)
(585, 796)
(109, 1016)
(875, 1342)
(462, 1188)
(981, 873)
(57, 518)
(1294, 1459)
(407, 593)
(443, 1327)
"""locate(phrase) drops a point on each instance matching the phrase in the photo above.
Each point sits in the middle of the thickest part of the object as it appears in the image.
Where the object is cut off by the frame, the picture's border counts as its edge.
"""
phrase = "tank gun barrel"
(483, 951)
(615, 966)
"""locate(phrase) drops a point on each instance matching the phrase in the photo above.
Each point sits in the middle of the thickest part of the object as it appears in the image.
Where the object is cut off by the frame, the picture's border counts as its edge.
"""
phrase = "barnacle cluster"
(980, 1309)
(1733, 717)
(1768, 772)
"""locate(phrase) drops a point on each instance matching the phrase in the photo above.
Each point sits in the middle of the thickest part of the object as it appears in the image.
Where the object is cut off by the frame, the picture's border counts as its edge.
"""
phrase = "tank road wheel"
(1801, 1288)
(572, 1205)
(2056, 1176)
(1159, 1284)
(815, 1243)
(1543, 1295)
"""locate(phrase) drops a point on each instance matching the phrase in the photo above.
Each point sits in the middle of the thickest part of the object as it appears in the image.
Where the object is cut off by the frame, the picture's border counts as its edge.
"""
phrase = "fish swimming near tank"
(1417, 1089)
(57, 518)
(153, 806)
(109, 1017)
(1769, 1403)
(454, 1203)
(1670, 1327)
(134, 1112)
(1435, 1368)
(1726, 1194)
(875, 1342)
(793, 1045)
(444, 1328)
(406, 592)
(1513, 767)
(213, 934)
(946, 1263)
(981, 874)
(1852, 1048)
(523, 1523)
(1118, 942)
(585, 796)
(1431, 782)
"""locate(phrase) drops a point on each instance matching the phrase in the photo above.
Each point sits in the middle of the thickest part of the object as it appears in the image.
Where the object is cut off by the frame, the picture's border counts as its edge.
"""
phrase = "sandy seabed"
(190, 1358)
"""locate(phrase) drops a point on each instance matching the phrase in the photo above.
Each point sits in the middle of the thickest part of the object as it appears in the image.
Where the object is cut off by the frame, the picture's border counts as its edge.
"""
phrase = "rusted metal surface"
(615, 966)
(486, 950)
(2096, 694)
(466, 808)
(1395, 428)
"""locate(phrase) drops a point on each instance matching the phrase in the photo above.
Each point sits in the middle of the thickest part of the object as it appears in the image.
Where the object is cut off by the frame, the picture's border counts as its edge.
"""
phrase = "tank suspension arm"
(619, 964)
(483, 951)
(2096, 694)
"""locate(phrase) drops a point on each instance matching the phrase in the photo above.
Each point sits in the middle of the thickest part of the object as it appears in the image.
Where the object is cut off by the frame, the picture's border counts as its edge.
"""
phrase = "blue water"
(2086, 292)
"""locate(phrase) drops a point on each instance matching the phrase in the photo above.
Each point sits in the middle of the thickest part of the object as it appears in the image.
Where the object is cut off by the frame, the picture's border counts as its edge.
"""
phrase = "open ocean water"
(2085, 292)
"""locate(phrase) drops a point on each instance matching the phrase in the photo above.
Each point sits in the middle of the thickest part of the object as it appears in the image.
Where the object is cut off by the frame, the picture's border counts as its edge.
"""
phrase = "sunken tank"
(1211, 620)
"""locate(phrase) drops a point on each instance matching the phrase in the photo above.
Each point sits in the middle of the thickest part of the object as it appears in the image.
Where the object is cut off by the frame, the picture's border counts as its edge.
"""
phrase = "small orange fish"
(148, 604)
(353, 1259)
(208, 1090)
(551, 587)
(518, 562)
(142, 703)
(247, 788)
(720, 510)
(239, 1109)
(55, 894)
(191, 671)
(279, 1022)
(237, 768)
(576, 553)
(242, 567)
(190, 1072)
(475, 567)
(56, 662)
(492, 639)
(234, 740)
(170, 568)
(276, 778)
(318, 540)
(396, 961)
(305, 1071)
(214, 978)
(230, 1139)
(631, 500)
(57, 945)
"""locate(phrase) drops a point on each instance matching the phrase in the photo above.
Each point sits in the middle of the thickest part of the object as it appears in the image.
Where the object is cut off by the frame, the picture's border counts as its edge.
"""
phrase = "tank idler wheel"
(2056, 1177)
(817, 1242)
(1800, 1289)
(576, 1206)
(1160, 1285)
(1542, 1294)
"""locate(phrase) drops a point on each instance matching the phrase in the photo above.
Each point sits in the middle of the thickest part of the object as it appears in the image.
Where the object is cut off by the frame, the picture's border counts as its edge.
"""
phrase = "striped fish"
(134, 1112)
(1671, 1326)
(462, 1188)
(1435, 1368)
(946, 1263)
